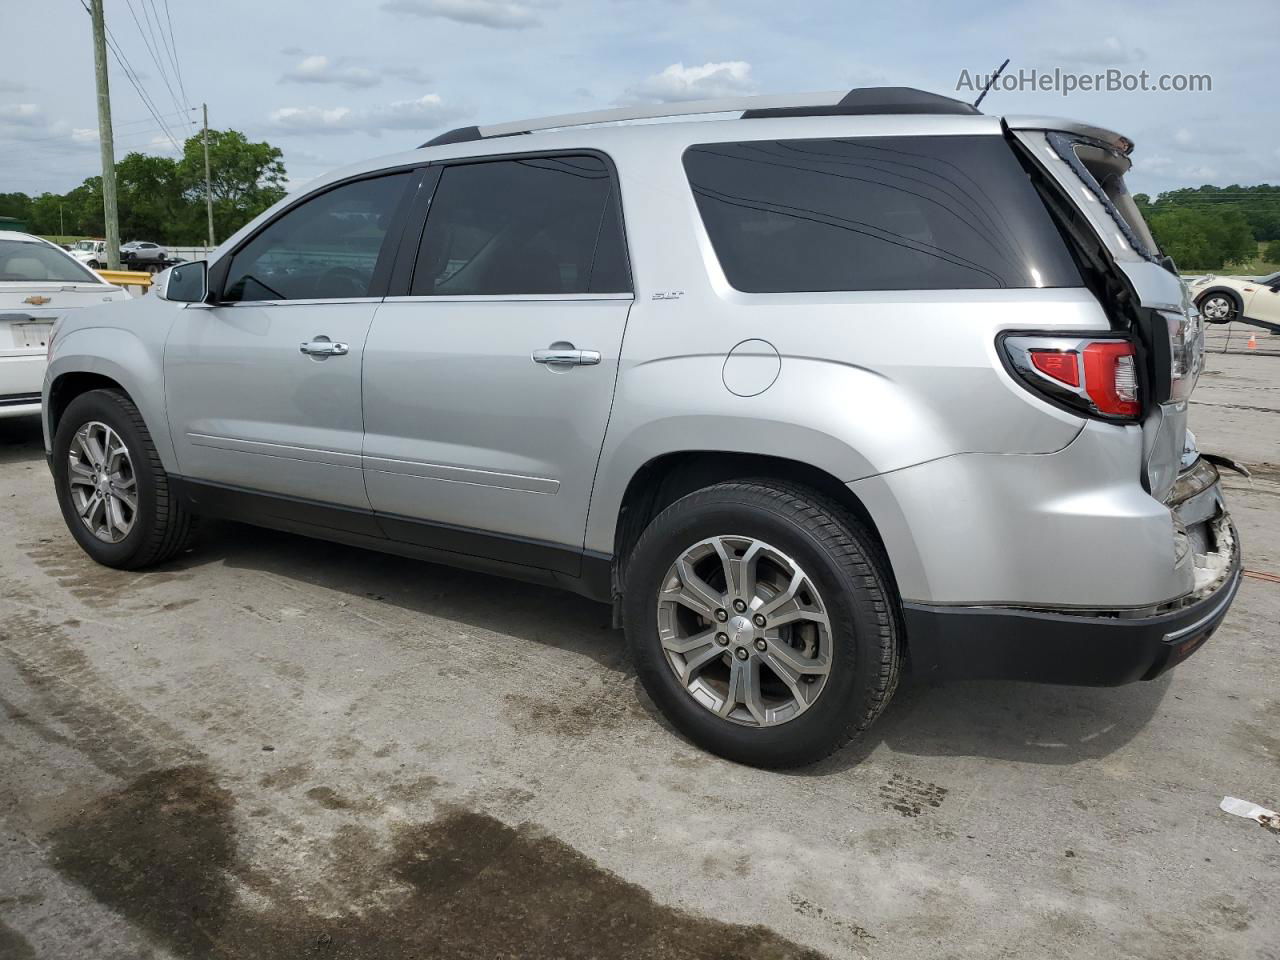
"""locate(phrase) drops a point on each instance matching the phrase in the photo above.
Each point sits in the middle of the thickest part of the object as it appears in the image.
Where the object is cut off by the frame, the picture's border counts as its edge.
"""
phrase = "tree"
(246, 177)
(1273, 252)
(1202, 239)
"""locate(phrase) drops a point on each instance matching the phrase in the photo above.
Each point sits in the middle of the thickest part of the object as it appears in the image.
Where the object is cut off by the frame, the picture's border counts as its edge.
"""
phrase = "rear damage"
(1162, 585)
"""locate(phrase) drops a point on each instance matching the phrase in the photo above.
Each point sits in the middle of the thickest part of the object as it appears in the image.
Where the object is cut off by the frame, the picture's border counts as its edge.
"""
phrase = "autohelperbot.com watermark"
(1067, 82)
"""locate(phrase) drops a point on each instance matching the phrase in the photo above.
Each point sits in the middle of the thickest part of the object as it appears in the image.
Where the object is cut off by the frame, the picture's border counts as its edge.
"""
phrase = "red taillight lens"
(1111, 378)
(1095, 376)
(1061, 365)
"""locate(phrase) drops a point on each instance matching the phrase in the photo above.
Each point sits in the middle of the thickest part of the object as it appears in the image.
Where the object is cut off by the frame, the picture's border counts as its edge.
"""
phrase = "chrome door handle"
(322, 347)
(578, 358)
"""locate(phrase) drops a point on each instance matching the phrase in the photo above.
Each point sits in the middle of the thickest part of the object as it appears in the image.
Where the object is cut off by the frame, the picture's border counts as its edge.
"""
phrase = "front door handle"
(322, 347)
(567, 355)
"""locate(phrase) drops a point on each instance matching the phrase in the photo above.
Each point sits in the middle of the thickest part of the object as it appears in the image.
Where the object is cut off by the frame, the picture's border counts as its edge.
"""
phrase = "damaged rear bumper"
(1093, 648)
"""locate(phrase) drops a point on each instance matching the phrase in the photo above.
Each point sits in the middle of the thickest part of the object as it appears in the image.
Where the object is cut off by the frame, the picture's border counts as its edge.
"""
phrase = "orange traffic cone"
(1253, 341)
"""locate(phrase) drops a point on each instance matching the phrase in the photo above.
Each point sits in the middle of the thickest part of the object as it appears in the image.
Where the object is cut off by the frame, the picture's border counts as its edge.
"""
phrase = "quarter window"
(546, 225)
(324, 249)
(875, 213)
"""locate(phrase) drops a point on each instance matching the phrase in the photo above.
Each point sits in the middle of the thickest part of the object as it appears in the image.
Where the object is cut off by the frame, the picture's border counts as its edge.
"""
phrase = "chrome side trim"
(511, 298)
(451, 474)
(281, 450)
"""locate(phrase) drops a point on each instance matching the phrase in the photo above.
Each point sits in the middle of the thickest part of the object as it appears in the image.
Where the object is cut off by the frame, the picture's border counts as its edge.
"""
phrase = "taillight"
(1186, 353)
(1097, 376)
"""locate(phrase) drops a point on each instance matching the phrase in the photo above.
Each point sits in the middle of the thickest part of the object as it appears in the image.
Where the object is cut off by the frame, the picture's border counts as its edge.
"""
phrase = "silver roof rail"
(653, 111)
(858, 101)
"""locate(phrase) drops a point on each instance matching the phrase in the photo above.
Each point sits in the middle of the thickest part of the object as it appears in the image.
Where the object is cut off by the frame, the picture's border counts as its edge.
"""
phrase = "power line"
(155, 58)
(171, 46)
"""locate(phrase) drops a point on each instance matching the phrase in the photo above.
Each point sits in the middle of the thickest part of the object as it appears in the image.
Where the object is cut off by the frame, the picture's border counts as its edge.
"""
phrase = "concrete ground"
(282, 748)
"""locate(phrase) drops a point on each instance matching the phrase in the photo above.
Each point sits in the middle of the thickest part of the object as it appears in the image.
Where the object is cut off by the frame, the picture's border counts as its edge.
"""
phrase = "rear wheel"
(762, 622)
(1219, 307)
(111, 486)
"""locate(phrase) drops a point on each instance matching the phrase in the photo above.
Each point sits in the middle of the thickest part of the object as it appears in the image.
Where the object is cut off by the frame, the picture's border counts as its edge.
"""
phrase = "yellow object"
(127, 278)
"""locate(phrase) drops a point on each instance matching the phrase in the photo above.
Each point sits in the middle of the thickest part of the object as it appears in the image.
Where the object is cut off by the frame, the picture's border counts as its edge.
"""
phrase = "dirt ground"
(275, 747)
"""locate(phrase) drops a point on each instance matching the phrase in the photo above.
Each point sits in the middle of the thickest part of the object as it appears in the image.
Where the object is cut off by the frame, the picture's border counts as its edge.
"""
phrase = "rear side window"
(545, 225)
(875, 213)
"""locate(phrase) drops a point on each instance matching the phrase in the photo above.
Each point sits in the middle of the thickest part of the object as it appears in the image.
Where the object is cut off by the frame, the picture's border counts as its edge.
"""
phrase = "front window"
(37, 262)
(325, 248)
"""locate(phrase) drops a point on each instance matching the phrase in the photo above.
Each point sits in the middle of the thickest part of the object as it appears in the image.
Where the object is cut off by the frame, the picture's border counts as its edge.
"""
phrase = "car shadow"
(544, 615)
(1022, 722)
(21, 439)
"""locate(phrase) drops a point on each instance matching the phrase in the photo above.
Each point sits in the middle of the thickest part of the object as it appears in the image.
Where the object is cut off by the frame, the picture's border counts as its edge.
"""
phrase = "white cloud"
(1105, 51)
(1208, 140)
(84, 135)
(708, 81)
(10, 86)
(408, 74)
(318, 68)
(499, 14)
(22, 115)
(424, 113)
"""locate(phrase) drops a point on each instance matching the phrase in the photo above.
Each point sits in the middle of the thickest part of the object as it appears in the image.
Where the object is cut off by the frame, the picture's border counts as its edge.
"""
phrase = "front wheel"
(762, 622)
(113, 491)
(1218, 308)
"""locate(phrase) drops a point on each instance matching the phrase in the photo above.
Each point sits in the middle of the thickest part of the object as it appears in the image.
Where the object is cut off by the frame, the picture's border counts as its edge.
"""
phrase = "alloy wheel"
(104, 488)
(1216, 308)
(745, 631)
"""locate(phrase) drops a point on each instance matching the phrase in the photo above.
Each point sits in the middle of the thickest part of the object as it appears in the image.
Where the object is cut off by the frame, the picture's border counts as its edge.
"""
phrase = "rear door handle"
(322, 347)
(577, 358)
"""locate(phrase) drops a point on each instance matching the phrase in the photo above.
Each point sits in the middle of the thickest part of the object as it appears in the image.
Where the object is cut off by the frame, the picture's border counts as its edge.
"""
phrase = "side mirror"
(186, 283)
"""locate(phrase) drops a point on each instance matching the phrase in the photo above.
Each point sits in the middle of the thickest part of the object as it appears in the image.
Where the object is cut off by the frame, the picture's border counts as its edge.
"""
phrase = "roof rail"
(864, 100)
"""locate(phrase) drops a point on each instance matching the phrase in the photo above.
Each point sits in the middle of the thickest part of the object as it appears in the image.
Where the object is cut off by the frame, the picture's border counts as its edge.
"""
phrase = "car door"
(263, 387)
(1265, 303)
(489, 371)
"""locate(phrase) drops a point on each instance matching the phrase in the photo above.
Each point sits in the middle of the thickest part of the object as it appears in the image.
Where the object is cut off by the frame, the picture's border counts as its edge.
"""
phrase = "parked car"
(38, 283)
(92, 253)
(141, 254)
(1223, 299)
(837, 384)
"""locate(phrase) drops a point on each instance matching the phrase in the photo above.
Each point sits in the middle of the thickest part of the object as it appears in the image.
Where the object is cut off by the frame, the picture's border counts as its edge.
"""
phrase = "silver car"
(842, 383)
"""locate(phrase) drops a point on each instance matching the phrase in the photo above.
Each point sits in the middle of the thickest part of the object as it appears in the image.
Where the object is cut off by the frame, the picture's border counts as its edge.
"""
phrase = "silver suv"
(843, 382)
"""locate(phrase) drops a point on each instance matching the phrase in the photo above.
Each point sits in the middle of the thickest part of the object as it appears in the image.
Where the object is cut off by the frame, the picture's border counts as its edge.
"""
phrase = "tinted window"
(875, 213)
(326, 248)
(533, 226)
(26, 260)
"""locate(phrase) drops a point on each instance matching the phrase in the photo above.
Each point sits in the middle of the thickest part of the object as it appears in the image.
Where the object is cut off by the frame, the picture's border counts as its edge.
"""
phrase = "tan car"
(1223, 299)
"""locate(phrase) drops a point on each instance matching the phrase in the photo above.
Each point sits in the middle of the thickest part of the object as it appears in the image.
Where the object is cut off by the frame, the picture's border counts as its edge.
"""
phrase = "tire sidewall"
(1232, 303)
(856, 631)
(107, 408)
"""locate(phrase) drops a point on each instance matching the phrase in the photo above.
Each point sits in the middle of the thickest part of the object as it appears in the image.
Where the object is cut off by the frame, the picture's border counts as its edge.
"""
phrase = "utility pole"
(104, 138)
(208, 190)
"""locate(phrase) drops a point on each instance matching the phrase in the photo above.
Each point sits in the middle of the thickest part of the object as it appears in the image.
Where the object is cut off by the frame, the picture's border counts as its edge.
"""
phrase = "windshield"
(85, 245)
(23, 260)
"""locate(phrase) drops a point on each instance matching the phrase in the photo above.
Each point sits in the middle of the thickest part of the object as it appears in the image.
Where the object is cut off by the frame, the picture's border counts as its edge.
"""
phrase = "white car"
(39, 282)
(1223, 299)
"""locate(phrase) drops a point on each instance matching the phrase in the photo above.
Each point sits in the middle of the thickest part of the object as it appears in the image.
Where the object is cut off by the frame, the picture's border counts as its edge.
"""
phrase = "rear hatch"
(1134, 281)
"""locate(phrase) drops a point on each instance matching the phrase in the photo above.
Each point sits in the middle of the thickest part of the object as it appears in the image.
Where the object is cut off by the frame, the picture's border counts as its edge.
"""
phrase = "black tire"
(1231, 298)
(849, 572)
(162, 525)
(94, 265)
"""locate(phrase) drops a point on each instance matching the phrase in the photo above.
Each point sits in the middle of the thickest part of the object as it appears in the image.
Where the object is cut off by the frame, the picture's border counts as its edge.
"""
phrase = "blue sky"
(332, 82)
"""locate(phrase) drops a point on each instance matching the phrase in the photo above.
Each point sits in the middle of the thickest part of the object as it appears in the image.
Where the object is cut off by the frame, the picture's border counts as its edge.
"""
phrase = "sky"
(335, 82)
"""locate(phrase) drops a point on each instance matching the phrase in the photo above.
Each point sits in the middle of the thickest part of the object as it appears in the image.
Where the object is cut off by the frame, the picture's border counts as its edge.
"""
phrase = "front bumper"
(1092, 648)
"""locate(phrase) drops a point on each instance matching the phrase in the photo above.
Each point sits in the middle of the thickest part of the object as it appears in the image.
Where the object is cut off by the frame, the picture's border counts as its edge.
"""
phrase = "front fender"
(118, 354)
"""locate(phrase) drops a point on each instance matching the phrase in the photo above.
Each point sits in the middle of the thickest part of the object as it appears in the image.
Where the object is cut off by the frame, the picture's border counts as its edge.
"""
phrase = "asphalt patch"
(163, 853)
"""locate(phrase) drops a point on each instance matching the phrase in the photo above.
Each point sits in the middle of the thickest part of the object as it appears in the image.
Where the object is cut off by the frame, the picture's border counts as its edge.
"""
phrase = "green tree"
(1199, 238)
(246, 177)
(1272, 254)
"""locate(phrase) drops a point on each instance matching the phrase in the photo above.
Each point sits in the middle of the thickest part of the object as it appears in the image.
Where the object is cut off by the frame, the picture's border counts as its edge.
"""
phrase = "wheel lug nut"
(739, 605)
(741, 653)
(758, 619)
(760, 645)
(722, 615)
(722, 639)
